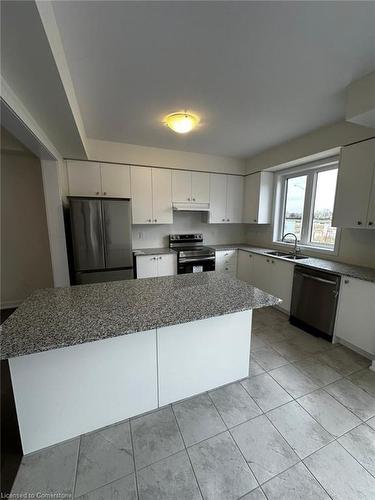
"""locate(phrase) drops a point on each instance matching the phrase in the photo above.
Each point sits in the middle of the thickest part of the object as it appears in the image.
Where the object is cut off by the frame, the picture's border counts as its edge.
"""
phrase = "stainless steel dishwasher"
(314, 301)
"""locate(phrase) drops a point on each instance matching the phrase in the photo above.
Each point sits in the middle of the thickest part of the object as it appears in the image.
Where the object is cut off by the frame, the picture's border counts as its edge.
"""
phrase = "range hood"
(191, 207)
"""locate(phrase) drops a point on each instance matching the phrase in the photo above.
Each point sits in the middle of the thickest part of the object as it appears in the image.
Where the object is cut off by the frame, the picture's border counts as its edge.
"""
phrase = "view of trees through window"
(314, 227)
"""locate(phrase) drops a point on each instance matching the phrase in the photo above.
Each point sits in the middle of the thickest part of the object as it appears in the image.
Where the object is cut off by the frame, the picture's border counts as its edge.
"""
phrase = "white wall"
(322, 139)
(157, 235)
(117, 152)
(25, 252)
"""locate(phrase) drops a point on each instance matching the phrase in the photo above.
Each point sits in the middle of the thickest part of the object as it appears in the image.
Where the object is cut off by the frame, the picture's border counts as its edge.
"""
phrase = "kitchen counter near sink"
(331, 266)
(88, 356)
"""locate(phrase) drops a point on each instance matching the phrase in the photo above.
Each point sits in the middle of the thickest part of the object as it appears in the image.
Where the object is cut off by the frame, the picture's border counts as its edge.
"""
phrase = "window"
(306, 198)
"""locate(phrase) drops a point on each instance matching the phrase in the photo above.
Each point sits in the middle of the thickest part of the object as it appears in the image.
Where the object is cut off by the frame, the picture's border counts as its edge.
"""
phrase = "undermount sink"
(296, 257)
(286, 255)
(278, 254)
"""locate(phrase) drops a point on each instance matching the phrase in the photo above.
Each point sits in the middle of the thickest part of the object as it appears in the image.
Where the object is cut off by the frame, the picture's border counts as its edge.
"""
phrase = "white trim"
(311, 170)
(55, 222)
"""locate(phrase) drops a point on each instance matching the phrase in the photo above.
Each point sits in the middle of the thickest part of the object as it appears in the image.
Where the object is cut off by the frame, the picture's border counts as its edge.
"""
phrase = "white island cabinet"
(124, 348)
(355, 318)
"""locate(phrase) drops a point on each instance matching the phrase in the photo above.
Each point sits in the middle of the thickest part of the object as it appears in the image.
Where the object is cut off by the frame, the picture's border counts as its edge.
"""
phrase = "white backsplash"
(156, 236)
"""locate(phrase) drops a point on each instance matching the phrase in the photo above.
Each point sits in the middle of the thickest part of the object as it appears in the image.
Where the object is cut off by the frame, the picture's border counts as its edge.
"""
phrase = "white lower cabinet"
(151, 266)
(355, 318)
(226, 261)
(274, 276)
(245, 266)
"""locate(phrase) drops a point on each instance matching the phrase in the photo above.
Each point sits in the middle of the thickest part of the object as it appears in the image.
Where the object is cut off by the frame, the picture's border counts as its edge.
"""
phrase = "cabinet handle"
(359, 223)
(104, 193)
(228, 220)
(346, 282)
(255, 220)
(273, 261)
(250, 255)
(193, 199)
(155, 220)
(370, 223)
(267, 260)
(188, 199)
(223, 220)
(97, 193)
(149, 220)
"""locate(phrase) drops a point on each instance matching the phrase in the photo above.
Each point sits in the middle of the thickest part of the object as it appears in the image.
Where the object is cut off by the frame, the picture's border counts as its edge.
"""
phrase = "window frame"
(311, 170)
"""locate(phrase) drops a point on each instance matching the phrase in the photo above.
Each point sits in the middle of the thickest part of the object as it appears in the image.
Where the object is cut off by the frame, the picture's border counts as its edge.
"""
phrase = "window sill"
(308, 248)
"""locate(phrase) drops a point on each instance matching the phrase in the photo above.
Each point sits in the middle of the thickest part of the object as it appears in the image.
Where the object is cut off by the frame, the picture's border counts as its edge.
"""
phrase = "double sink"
(290, 256)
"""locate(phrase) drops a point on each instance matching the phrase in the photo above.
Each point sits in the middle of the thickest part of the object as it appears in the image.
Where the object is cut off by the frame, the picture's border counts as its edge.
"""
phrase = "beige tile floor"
(301, 426)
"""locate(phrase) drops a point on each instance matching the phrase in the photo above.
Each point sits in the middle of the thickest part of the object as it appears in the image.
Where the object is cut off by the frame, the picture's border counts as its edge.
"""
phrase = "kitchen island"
(88, 356)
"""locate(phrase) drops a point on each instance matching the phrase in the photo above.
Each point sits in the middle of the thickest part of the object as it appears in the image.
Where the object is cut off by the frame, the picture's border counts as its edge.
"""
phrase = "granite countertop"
(153, 251)
(330, 266)
(59, 317)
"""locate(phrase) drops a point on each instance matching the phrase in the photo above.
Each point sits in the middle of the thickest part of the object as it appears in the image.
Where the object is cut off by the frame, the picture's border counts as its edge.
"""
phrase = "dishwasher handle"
(315, 278)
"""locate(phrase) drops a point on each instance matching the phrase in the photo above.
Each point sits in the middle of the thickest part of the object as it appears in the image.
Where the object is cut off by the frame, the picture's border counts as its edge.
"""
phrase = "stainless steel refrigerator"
(101, 239)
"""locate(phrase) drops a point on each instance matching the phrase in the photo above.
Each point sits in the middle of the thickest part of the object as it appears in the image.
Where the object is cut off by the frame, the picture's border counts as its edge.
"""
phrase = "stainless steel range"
(192, 256)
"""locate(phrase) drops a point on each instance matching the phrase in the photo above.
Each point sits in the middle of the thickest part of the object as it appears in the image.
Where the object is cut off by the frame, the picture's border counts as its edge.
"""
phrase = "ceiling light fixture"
(182, 123)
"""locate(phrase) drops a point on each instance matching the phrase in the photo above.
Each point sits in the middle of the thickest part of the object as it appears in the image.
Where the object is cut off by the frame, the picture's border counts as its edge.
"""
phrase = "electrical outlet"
(140, 235)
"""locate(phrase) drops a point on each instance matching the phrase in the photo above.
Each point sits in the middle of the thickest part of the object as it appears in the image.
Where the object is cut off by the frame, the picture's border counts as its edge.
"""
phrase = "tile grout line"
(235, 443)
(135, 469)
(76, 468)
(187, 453)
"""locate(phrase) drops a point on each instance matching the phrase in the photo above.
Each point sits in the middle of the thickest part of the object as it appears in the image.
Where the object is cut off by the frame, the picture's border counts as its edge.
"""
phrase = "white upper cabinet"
(141, 186)
(151, 195)
(115, 180)
(235, 189)
(200, 187)
(162, 196)
(258, 198)
(181, 186)
(190, 187)
(226, 198)
(84, 178)
(218, 198)
(355, 190)
(98, 179)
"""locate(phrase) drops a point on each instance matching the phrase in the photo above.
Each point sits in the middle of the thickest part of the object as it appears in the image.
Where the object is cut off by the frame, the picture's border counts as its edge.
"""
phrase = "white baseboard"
(7, 304)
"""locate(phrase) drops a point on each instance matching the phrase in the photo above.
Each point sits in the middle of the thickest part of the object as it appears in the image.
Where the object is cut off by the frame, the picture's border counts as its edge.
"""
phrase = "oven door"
(196, 264)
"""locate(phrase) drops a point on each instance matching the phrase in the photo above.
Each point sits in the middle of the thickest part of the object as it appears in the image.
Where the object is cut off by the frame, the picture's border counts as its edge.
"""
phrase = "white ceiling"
(258, 73)
(29, 69)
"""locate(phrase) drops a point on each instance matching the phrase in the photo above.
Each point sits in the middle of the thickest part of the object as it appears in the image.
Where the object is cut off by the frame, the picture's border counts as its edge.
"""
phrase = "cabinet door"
(115, 180)
(218, 198)
(200, 187)
(167, 265)
(354, 183)
(219, 260)
(147, 266)
(235, 187)
(245, 270)
(281, 282)
(355, 319)
(230, 262)
(162, 196)
(371, 206)
(181, 186)
(84, 178)
(262, 272)
(251, 202)
(141, 188)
